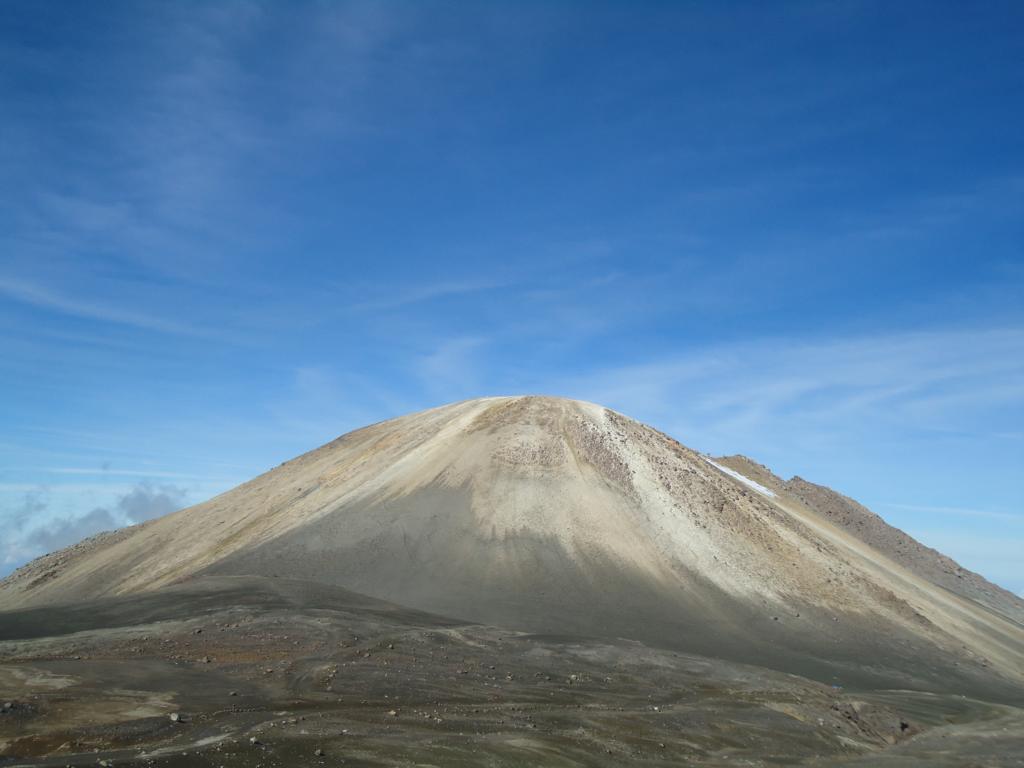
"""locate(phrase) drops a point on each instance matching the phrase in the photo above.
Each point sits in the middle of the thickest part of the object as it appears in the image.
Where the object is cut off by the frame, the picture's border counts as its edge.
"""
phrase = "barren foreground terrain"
(242, 671)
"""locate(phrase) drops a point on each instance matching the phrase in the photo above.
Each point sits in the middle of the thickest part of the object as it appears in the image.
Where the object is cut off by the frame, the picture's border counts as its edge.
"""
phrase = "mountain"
(554, 516)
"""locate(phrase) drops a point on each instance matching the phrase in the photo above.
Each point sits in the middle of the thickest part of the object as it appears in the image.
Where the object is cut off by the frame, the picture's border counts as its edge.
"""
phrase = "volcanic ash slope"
(563, 517)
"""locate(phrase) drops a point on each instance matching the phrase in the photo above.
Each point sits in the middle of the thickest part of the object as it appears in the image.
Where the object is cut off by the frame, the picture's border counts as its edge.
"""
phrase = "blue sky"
(230, 233)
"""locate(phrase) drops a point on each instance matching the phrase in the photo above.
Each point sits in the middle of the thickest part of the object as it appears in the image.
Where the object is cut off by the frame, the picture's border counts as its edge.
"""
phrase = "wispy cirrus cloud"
(113, 472)
(731, 391)
(182, 136)
(452, 367)
(399, 297)
(959, 512)
(47, 298)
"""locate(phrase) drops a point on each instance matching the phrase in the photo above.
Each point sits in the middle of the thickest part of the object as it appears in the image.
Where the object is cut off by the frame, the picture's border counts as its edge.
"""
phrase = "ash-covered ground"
(245, 671)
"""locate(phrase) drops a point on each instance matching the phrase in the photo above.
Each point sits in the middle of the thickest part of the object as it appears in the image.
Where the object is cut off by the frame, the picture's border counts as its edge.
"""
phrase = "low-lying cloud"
(146, 501)
(67, 530)
(143, 502)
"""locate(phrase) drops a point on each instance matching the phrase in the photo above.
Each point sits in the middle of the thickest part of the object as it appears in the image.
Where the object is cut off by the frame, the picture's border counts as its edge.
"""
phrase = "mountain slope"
(895, 544)
(551, 515)
(905, 550)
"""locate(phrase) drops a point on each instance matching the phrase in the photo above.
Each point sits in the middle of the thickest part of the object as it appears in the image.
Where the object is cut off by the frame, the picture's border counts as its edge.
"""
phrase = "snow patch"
(743, 479)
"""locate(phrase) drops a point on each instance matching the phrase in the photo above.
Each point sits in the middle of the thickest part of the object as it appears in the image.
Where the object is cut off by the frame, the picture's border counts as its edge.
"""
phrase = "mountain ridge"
(872, 529)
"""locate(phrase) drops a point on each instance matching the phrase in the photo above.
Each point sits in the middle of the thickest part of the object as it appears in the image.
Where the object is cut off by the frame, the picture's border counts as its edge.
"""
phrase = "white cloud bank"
(35, 534)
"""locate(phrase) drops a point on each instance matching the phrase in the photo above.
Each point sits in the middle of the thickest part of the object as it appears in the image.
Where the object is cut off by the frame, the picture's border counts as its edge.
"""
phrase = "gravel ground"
(263, 672)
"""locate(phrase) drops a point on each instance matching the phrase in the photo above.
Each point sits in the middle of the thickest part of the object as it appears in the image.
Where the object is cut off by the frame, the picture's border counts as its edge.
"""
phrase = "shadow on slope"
(427, 550)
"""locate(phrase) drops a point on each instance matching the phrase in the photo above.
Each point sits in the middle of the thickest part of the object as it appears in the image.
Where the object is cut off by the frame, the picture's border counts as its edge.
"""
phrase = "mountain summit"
(563, 517)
